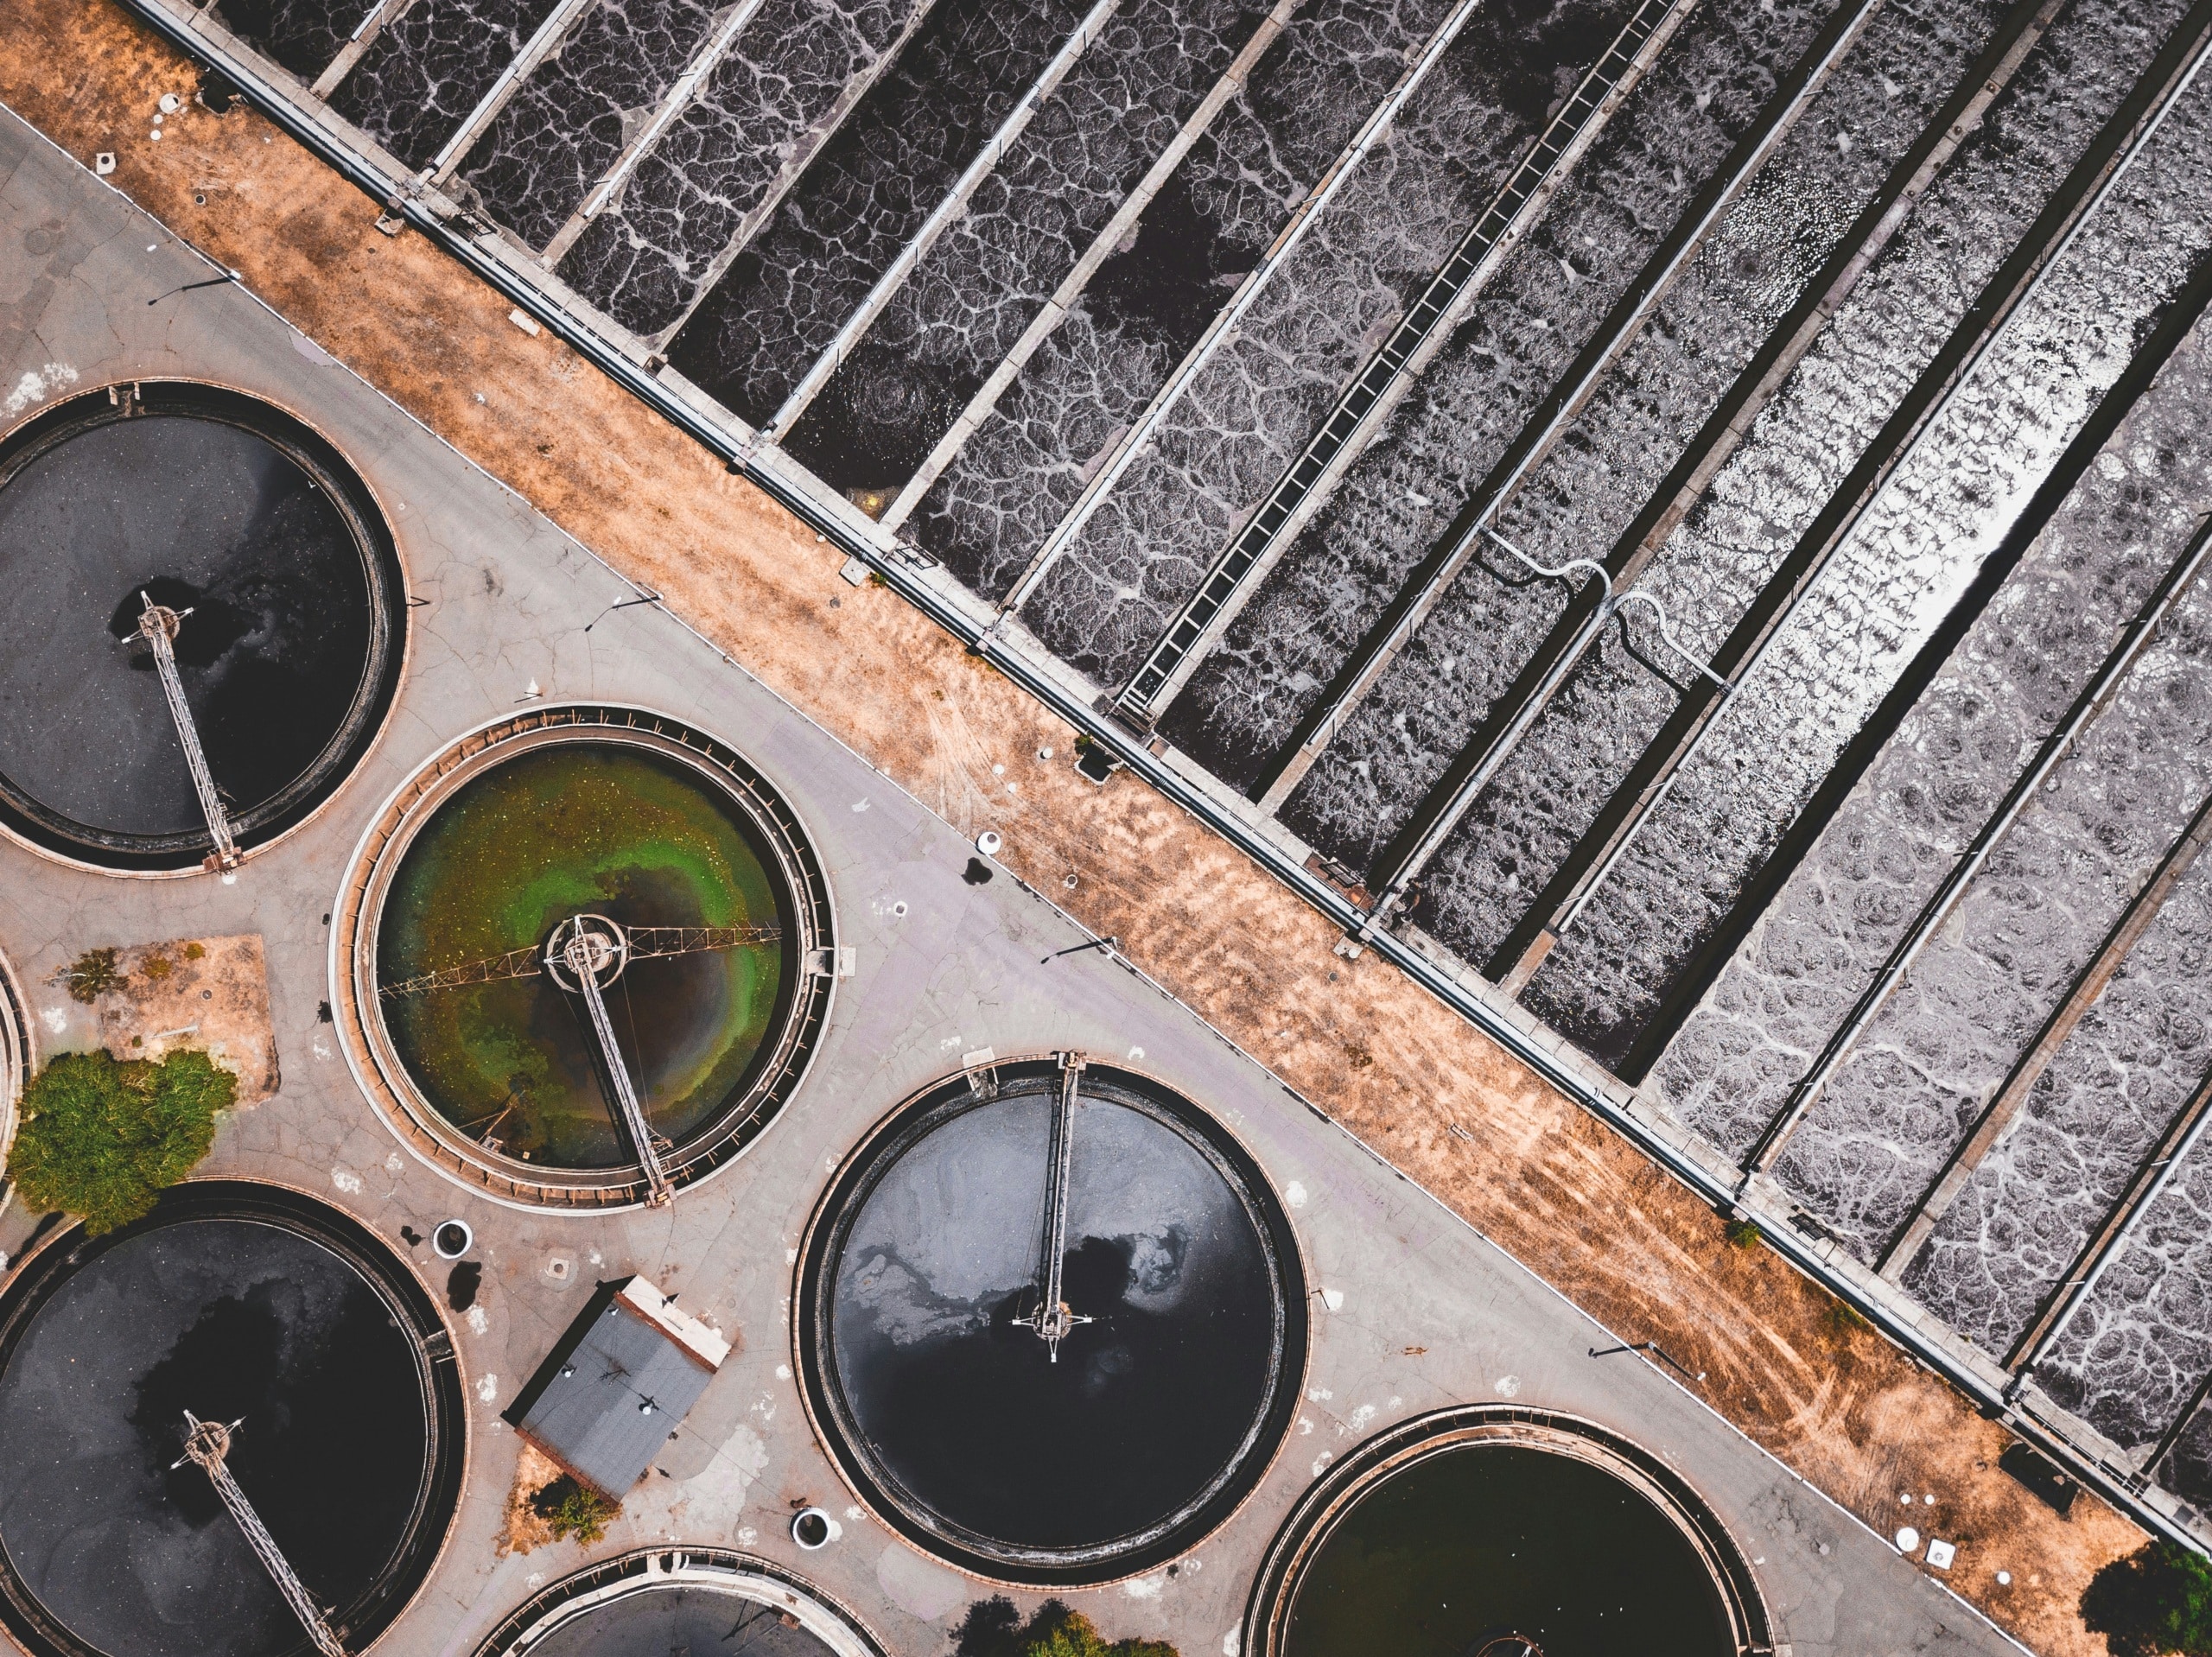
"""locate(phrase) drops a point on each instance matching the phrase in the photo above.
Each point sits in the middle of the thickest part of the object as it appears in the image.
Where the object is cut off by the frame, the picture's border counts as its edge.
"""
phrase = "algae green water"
(612, 829)
(1488, 1540)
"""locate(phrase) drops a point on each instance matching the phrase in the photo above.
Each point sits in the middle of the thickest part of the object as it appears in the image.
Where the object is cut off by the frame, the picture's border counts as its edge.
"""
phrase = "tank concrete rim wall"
(18, 1061)
(803, 899)
(646, 1569)
(391, 646)
(438, 1365)
(1332, 1496)
(983, 1557)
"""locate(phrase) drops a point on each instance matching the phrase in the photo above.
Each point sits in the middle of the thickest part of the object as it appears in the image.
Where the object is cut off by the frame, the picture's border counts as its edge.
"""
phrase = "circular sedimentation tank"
(655, 1601)
(702, 911)
(1497, 1532)
(1042, 1440)
(238, 1303)
(253, 530)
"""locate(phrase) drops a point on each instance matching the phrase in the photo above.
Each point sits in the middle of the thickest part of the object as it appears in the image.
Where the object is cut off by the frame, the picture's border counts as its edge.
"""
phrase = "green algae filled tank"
(674, 849)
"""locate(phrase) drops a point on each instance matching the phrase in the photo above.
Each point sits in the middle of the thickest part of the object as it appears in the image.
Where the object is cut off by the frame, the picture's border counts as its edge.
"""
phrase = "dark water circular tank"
(680, 1619)
(240, 1303)
(208, 501)
(1499, 1531)
(683, 1600)
(954, 1416)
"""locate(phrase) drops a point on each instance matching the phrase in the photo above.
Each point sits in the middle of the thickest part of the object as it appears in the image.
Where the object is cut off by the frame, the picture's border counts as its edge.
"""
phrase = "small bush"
(1743, 1234)
(193, 952)
(1843, 1319)
(2156, 1603)
(572, 1510)
(159, 967)
(91, 975)
(993, 1628)
(101, 1138)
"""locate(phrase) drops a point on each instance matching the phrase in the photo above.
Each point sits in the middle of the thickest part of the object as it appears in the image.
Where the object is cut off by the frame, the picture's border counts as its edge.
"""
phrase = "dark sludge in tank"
(1052, 1321)
(655, 1601)
(655, 1622)
(251, 546)
(1494, 1532)
(317, 1360)
(590, 940)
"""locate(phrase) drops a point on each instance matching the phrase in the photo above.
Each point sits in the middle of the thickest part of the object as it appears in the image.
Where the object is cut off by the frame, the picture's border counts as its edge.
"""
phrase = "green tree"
(2156, 1603)
(993, 1628)
(572, 1510)
(101, 1138)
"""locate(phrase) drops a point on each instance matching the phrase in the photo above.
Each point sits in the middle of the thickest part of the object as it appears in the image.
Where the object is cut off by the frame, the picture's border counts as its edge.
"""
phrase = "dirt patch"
(523, 1529)
(1565, 1194)
(210, 993)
